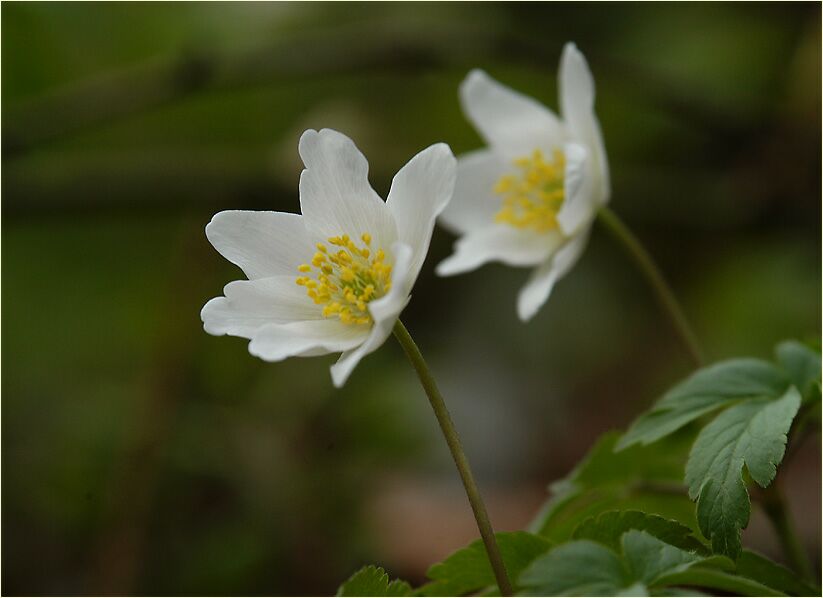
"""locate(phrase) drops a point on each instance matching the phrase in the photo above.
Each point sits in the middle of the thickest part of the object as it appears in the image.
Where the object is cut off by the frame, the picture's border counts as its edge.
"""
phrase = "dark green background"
(141, 455)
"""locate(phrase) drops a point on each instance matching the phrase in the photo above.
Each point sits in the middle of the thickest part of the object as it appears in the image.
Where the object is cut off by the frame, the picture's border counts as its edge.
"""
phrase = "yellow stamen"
(345, 281)
(533, 196)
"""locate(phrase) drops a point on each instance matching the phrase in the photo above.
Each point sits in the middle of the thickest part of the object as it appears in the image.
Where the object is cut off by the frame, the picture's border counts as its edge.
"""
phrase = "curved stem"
(717, 580)
(453, 440)
(776, 509)
(655, 279)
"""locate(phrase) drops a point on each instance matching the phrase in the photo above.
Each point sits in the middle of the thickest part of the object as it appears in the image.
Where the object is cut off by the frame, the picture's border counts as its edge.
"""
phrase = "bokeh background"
(140, 455)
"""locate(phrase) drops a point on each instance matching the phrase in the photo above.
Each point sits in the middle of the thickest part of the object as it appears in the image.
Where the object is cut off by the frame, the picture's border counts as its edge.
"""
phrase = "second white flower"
(529, 198)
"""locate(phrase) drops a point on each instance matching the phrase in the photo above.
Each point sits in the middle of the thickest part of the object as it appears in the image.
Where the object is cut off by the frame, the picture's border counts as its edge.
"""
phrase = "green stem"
(776, 509)
(716, 580)
(453, 440)
(655, 279)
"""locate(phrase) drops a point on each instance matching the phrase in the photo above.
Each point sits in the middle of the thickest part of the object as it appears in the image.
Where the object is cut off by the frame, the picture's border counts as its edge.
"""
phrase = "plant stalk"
(777, 510)
(654, 277)
(453, 440)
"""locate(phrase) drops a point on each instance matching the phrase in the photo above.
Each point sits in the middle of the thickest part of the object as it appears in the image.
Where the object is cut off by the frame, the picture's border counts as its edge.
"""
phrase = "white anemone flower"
(529, 198)
(334, 279)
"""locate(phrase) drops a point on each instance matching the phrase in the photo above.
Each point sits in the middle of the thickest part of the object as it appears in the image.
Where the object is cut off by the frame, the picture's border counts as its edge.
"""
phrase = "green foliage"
(586, 568)
(578, 568)
(706, 390)
(761, 401)
(640, 478)
(751, 433)
(608, 528)
(373, 581)
(468, 569)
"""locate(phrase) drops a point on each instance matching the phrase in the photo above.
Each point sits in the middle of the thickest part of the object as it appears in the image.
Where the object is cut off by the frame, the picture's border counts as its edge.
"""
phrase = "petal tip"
(569, 48)
(205, 316)
(214, 224)
(525, 312)
(339, 374)
(442, 269)
(307, 140)
(472, 79)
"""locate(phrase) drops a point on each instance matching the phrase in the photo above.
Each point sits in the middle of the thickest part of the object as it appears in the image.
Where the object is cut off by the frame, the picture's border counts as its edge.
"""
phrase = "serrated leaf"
(642, 478)
(579, 568)
(757, 567)
(468, 569)
(802, 364)
(704, 391)
(609, 527)
(373, 581)
(751, 433)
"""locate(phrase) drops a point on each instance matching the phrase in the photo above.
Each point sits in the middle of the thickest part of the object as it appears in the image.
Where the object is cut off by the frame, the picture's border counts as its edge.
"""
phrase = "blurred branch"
(123, 93)
(146, 181)
(378, 47)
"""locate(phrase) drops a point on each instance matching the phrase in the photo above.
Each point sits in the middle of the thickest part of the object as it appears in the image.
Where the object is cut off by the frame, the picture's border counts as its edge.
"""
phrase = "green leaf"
(373, 581)
(641, 478)
(758, 568)
(468, 569)
(751, 433)
(579, 568)
(587, 568)
(649, 558)
(704, 391)
(607, 528)
(802, 363)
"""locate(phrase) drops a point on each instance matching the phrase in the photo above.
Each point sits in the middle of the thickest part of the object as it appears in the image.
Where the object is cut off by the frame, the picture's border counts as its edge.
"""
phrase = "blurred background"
(141, 455)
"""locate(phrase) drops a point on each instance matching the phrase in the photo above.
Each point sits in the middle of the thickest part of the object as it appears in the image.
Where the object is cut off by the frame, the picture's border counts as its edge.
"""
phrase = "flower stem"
(655, 279)
(453, 440)
(776, 509)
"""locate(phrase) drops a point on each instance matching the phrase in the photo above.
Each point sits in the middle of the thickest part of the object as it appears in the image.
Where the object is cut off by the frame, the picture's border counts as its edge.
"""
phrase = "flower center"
(346, 280)
(533, 195)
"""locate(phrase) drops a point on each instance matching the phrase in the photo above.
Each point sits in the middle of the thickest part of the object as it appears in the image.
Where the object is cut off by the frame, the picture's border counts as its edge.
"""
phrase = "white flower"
(529, 198)
(336, 278)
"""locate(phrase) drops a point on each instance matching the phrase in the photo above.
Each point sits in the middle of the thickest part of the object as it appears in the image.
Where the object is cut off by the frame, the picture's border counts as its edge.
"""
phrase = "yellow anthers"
(533, 196)
(346, 280)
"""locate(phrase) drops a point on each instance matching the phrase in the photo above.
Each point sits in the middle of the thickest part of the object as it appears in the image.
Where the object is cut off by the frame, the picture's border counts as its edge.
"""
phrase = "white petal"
(513, 123)
(250, 305)
(578, 203)
(537, 290)
(335, 195)
(419, 192)
(502, 243)
(577, 106)
(275, 342)
(475, 203)
(261, 243)
(384, 311)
